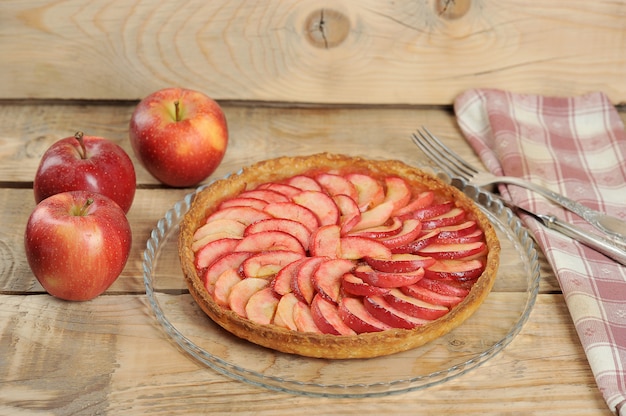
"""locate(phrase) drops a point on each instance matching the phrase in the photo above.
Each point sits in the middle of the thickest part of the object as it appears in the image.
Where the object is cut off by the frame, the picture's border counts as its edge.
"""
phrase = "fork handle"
(591, 240)
(615, 227)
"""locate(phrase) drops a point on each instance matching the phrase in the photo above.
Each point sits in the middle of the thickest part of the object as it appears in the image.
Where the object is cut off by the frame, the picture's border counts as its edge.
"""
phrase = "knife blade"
(594, 241)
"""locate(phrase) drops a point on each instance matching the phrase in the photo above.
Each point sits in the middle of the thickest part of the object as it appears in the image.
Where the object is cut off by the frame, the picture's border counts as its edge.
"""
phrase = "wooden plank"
(270, 131)
(255, 133)
(149, 207)
(311, 52)
(110, 356)
(27, 130)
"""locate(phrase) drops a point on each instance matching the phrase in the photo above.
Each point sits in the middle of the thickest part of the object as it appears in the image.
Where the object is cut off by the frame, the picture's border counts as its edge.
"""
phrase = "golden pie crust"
(364, 345)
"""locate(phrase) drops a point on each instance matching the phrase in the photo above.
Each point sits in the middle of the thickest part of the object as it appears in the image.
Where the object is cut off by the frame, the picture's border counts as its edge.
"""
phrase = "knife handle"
(601, 245)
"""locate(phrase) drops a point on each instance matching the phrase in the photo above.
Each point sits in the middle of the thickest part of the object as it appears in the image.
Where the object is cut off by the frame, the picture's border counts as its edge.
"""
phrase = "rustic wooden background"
(293, 77)
(329, 51)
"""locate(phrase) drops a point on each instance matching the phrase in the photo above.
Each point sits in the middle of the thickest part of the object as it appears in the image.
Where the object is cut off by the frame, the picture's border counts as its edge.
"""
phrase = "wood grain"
(109, 356)
(256, 133)
(362, 52)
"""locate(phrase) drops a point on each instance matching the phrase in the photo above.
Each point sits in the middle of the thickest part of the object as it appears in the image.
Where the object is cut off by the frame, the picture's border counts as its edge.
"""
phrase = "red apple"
(77, 244)
(86, 163)
(179, 135)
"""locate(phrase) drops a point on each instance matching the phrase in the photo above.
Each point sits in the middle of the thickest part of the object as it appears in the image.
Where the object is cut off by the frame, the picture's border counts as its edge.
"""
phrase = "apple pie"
(337, 257)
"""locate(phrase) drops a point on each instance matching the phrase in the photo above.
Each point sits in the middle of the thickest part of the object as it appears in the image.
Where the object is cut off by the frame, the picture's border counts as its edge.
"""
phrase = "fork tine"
(452, 156)
(438, 156)
(443, 155)
(433, 155)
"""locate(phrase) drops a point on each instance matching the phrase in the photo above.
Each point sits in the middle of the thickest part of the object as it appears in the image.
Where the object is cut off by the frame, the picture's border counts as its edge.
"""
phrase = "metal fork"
(453, 165)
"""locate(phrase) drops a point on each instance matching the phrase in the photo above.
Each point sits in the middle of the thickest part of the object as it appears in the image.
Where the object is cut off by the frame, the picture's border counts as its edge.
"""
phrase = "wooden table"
(294, 77)
(111, 356)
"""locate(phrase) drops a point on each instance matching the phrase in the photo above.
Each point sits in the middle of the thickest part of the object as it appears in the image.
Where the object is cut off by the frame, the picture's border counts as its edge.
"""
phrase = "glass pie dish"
(498, 320)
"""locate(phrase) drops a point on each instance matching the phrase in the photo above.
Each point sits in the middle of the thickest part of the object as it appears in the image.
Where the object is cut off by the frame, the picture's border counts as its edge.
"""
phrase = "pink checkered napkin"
(577, 147)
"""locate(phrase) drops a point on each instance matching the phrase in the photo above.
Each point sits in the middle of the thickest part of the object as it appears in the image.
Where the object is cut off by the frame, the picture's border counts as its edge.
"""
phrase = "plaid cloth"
(577, 147)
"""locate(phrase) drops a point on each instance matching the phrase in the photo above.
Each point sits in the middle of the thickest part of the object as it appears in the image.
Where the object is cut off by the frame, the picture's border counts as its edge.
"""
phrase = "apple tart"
(337, 257)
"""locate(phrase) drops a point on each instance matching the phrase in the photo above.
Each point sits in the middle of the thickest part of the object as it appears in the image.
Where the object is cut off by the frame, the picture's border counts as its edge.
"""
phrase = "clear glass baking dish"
(487, 332)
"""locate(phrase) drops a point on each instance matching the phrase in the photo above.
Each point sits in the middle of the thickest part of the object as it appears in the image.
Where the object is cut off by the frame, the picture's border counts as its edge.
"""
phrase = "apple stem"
(83, 150)
(82, 210)
(177, 110)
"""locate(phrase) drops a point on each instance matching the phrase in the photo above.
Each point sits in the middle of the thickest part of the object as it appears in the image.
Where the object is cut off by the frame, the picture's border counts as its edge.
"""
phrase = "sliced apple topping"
(337, 185)
(339, 253)
(327, 318)
(321, 204)
(370, 192)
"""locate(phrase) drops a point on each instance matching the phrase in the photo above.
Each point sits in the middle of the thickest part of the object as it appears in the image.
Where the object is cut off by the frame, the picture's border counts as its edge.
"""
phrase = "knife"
(600, 244)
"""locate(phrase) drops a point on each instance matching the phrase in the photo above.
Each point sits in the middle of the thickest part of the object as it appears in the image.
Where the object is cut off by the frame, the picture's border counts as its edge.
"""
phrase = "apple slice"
(375, 216)
(422, 200)
(455, 269)
(370, 192)
(389, 229)
(294, 228)
(321, 204)
(303, 318)
(270, 241)
(403, 300)
(213, 250)
(384, 311)
(397, 191)
(327, 278)
(453, 251)
(229, 261)
(215, 230)
(355, 248)
(457, 230)
(282, 188)
(326, 317)
(474, 236)
(453, 217)
(349, 211)
(241, 293)
(429, 211)
(419, 243)
(302, 285)
(295, 212)
(198, 245)
(325, 241)
(267, 263)
(355, 286)
(267, 195)
(353, 313)
(261, 306)
(224, 284)
(305, 183)
(387, 279)
(433, 298)
(246, 215)
(400, 263)
(410, 231)
(284, 312)
(445, 287)
(243, 202)
(282, 281)
(337, 185)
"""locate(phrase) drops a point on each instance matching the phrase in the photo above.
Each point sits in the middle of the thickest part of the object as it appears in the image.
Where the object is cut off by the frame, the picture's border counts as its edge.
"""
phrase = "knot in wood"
(327, 28)
(452, 9)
